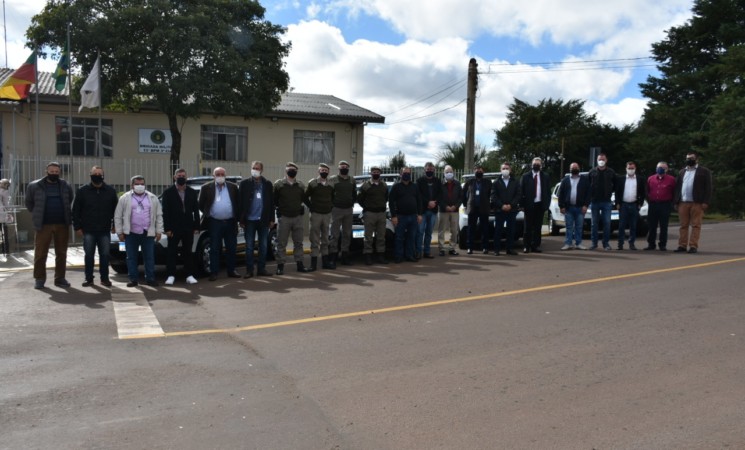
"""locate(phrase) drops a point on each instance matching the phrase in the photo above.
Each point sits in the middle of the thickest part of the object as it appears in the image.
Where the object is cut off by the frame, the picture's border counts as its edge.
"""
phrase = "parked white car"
(556, 219)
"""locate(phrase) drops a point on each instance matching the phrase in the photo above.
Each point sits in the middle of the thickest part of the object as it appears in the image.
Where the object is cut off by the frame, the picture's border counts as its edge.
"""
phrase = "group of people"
(222, 208)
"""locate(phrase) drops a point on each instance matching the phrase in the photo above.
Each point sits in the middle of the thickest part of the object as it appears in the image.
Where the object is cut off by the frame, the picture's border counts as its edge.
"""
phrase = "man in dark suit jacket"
(535, 196)
(574, 199)
(180, 223)
(692, 198)
(476, 197)
(219, 203)
(631, 190)
(505, 199)
(256, 216)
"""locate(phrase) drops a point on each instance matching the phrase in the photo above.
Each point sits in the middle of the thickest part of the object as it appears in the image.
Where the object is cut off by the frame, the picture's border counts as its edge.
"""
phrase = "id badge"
(478, 192)
(258, 195)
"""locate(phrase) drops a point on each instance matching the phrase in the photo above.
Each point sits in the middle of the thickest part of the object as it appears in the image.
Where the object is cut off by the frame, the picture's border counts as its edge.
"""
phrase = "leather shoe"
(649, 247)
(263, 273)
(61, 282)
(526, 250)
(213, 277)
(485, 251)
(680, 250)
(442, 252)
(106, 283)
(132, 284)
(410, 259)
(234, 275)
(470, 252)
(511, 252)
(453, 253)
(693, 250)
(248, 274)
(428, 256)
(536, 250)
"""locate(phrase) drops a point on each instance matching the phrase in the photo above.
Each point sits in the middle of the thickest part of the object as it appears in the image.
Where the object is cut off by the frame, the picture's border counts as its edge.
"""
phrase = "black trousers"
(186, 238)
(534, 213)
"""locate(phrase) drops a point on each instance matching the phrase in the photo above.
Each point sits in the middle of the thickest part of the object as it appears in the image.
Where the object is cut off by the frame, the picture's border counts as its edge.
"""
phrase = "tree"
(552, 130)
(396, 162)
(696, 101)
(184, 58)
(454, 154)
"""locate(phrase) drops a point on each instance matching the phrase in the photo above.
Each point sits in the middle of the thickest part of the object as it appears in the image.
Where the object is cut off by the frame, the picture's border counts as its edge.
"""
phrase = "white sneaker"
(191, 280)
(170, 280)
(566, 247)
(580, 247)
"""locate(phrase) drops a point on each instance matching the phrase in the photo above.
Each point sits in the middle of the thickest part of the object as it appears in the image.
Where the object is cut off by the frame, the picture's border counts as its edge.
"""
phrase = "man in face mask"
(535, 197)
(660, 194)
(345, 196)
(405, 204)
(430, 190)
(450, 201)
(602, 185)
(505, 198)
(373, 197)
(289, 195)
(181, 223)
(218, 202)
(693, 192)
(138, 220)
(93, 220)
(319, 197)
(574, 199)
(476, 197)
(630, 194)
(256, 217)
(49, 200)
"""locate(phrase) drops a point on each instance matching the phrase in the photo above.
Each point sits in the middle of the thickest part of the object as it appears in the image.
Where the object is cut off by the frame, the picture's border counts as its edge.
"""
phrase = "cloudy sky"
(408, 60)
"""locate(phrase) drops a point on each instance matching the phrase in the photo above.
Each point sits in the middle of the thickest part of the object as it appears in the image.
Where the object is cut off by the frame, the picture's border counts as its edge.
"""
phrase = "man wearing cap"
(319, 196)
(373, 198)
(218, 201)
(345, 195)
(289, 194)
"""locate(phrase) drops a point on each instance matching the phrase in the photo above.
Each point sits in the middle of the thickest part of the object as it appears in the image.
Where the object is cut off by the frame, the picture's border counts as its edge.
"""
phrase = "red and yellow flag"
(16, 87)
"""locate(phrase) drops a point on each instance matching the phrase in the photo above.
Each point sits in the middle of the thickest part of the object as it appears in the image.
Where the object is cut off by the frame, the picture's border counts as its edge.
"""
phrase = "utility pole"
(471, 114)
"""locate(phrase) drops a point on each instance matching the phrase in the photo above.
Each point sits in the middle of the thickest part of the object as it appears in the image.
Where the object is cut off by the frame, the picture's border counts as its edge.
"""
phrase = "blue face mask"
(406, 177)
(660, 171)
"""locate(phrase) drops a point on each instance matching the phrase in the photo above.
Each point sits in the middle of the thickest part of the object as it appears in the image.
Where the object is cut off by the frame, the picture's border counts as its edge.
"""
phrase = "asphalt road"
(560, 350)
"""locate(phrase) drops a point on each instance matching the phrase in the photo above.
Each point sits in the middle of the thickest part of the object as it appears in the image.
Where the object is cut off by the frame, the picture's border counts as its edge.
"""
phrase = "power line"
(565, 69)
(452, 90)
(448, 85)
(428, 115)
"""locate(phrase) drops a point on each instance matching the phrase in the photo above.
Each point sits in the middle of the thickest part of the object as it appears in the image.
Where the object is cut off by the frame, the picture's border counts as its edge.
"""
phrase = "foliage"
(184, 58)
(454, 154)
(558, 132)
(697, 101)
(395, 163)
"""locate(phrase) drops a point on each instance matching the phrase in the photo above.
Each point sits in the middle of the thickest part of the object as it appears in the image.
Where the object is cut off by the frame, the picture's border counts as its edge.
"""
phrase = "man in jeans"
(257, 217)
(49, 201)
(630, 193)
(574, 198)
(602, 185)
(430, 190)
(138, 220)
(405, 205)
(93, 220)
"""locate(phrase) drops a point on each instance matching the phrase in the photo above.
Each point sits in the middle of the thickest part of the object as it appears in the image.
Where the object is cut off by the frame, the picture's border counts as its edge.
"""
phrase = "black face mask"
(429, 173)
(323, 174)
(292, 173)
(376, 176)
(181, 181)
(53, 177)
(479, 175)
(536, 167)
(690, 162)
(575, 171)
(344, 171)
(96, 179)
(406, 177)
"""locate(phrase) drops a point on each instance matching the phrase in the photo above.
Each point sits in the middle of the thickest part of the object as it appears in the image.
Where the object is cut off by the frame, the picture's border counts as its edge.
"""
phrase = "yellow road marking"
(430, 304)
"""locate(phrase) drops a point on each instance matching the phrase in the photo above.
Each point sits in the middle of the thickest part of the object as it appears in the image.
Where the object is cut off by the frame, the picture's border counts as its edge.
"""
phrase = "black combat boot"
(380, 259)
(345, 261)
(313, 264)
(368, 259)
(332, 261)
(326, 263)
(301, 267)
(280, 269)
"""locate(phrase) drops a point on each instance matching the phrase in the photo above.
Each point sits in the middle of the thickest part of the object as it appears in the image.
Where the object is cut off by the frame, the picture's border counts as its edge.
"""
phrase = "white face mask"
(220, 180)
(139, 189)
(448, 175)
(506, 173)
(601, 163)
(255, 173)
(630, 172)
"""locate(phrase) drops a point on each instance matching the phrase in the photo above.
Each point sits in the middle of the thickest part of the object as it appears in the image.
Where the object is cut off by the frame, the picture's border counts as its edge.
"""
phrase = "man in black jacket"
(476, 197)
(535, 196)
(631, 190)
(574, 199)
(257, 217)
(430, 190)
(405, 205)
(93, 217)
(505, 198)
(602, 184)
(218, 202)
(180, 223)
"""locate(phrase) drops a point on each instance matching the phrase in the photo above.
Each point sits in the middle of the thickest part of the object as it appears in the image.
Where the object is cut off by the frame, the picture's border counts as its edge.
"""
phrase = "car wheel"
(271, 245)
(118, 267)
(554, 229)
(202, 255)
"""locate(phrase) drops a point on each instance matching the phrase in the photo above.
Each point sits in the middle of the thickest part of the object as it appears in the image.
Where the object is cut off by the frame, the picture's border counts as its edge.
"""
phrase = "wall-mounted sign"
(155, 140)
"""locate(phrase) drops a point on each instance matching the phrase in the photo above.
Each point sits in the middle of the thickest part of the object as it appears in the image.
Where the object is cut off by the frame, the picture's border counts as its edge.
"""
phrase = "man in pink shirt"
(660, 192)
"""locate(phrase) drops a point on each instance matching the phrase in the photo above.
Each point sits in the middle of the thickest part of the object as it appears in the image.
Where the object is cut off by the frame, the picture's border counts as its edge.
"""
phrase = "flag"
(18, 84)
(60, 75)
(91, 88)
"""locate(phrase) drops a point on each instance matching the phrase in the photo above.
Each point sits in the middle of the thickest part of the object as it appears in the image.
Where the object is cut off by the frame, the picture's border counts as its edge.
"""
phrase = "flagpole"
(100, 155)
(68, 85)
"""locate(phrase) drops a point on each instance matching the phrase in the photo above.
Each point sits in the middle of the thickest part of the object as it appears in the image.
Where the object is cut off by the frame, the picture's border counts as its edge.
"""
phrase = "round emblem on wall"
(157, 136)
